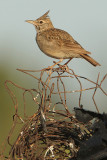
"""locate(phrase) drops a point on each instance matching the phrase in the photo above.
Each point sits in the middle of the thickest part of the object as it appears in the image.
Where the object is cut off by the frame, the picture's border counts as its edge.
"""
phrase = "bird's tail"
(90, 60)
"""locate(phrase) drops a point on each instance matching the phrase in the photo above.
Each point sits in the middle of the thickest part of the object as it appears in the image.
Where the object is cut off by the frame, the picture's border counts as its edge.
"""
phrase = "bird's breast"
(53, 48)
(49, 47)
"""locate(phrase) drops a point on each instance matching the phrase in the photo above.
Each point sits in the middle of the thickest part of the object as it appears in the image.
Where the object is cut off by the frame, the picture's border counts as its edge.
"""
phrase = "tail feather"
(90, 60)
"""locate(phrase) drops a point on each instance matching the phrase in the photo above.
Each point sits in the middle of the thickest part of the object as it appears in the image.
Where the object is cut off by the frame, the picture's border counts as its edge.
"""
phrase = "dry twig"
(50, 133)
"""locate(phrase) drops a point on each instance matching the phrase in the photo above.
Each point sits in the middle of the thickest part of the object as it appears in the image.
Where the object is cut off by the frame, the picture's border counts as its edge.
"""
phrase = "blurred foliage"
(6, 105)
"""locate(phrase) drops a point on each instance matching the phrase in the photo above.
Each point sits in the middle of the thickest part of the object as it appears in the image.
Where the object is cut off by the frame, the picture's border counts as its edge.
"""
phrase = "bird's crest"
(44, 16)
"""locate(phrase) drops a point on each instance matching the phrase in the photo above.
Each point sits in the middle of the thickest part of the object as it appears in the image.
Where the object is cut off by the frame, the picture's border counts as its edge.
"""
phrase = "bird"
(57, 43)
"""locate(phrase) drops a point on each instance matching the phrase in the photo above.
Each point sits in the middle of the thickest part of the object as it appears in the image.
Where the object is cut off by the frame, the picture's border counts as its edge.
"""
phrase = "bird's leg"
(64, 66)
(55, 63)
(64, 63)
(68, 61)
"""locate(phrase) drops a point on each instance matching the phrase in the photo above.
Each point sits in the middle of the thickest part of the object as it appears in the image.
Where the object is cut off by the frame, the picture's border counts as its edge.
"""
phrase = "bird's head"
(43, 23)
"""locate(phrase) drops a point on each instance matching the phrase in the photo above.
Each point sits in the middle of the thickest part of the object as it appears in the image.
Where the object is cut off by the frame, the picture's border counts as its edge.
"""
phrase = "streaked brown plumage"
(57, 43)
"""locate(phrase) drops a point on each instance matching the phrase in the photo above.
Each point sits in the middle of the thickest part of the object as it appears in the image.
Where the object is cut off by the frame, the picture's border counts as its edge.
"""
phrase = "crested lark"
(57, 43)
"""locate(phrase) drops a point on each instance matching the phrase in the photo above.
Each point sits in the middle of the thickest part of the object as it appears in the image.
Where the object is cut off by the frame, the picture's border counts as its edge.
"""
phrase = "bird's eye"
(41, 22)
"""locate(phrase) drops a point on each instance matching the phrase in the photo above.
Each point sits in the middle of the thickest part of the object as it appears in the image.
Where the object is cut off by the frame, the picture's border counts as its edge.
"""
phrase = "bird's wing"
(66, 41)
(72, 45)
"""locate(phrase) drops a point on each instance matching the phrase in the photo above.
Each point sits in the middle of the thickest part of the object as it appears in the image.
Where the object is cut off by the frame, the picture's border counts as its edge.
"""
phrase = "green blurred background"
(85, 20)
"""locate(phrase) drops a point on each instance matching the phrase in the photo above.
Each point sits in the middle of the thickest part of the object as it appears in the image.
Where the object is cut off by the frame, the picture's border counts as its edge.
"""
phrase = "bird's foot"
(62, 68)
(51, 68)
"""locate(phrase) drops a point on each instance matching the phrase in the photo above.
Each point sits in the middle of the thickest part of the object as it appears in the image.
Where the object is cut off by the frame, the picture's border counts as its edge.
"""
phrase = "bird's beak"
(31, 21)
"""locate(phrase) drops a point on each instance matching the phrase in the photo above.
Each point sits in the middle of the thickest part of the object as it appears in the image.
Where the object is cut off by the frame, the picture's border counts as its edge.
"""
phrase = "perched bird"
(58, 43)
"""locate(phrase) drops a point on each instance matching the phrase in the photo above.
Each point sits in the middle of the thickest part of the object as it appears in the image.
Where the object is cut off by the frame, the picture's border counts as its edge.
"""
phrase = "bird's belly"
(55, 51)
